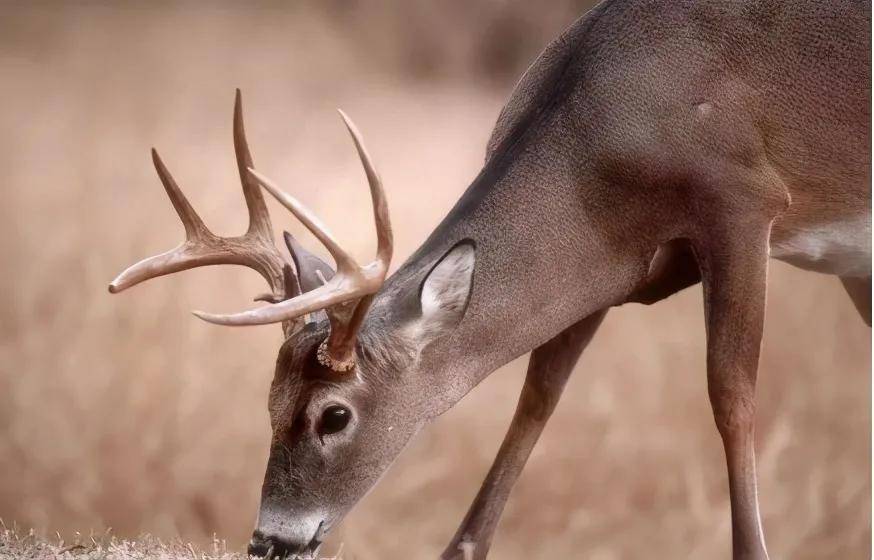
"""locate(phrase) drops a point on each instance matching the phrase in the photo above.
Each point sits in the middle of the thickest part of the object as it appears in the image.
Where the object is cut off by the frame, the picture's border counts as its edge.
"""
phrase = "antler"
(347, 295)
(254, 249)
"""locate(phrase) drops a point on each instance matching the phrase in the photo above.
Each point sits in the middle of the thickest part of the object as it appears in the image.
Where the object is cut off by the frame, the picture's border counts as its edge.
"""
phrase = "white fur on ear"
(446, 290)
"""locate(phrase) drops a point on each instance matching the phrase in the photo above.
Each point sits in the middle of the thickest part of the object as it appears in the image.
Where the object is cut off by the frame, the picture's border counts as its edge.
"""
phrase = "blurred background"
(127, 412)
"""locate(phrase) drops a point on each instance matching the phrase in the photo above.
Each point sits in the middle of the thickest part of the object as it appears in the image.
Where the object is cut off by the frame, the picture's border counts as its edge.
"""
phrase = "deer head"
(346, 395)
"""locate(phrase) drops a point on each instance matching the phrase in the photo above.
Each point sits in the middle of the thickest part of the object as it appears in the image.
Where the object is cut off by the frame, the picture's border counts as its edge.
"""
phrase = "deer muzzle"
(281, 534)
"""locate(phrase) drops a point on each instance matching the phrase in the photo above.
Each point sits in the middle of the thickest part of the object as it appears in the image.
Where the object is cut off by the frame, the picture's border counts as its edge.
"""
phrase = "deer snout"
(287, 539)
(273, 546)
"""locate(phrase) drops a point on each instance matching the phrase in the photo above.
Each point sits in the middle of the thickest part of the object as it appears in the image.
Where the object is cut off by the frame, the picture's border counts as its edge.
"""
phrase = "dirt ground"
(127, 412)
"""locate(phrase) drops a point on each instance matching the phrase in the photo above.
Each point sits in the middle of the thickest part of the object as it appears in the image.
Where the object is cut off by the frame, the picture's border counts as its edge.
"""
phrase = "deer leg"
(860, 292)
(548, 370)
(734, 273)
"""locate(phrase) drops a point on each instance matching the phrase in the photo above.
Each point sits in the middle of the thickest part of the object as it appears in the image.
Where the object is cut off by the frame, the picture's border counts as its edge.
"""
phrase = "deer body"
(615, 142)
(653, 145)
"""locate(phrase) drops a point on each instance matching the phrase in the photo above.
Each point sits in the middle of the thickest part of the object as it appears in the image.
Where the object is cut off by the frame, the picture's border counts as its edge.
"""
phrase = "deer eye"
(334, 419)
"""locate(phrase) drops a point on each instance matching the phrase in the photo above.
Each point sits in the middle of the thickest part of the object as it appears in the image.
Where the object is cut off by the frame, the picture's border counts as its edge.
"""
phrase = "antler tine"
(384, 237)
(194, 226)
(310, 220)
(182, 257)
(259, 217)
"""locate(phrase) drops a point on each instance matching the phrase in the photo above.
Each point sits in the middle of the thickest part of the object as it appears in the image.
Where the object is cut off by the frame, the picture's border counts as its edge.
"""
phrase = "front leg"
(734, 271)
(548, 370)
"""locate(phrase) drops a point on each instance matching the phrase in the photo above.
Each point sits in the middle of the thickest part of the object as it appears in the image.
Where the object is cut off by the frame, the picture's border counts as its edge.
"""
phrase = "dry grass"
(126, 412)
(106, 546)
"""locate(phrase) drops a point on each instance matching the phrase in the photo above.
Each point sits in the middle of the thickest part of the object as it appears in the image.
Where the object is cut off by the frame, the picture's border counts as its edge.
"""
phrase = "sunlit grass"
(20, 543)
(17, 543)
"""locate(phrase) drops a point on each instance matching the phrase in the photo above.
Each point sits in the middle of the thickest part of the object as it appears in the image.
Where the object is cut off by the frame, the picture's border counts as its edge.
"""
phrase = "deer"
(652, 146)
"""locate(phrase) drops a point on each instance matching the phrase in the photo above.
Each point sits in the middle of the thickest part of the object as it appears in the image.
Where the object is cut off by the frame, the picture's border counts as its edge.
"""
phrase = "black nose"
(263, 546)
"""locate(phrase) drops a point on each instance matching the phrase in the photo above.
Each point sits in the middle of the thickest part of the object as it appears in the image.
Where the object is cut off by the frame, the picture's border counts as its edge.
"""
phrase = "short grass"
(18, 543)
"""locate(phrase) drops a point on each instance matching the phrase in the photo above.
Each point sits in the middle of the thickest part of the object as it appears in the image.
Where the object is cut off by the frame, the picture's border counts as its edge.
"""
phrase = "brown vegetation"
(125, 411)
(15, 544)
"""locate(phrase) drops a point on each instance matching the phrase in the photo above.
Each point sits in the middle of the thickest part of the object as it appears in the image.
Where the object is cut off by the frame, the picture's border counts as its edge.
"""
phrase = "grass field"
(16, 544)
(126, 412)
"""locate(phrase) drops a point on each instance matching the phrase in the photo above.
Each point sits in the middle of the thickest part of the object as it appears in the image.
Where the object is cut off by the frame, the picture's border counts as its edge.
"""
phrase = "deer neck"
(543, 262)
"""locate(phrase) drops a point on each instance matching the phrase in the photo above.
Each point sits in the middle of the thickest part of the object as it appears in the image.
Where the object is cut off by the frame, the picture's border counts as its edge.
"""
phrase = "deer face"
(336, 433)
(333, 436)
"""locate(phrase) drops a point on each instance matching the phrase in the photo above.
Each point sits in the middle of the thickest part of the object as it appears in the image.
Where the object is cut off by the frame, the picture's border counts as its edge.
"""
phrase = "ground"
(17, 544)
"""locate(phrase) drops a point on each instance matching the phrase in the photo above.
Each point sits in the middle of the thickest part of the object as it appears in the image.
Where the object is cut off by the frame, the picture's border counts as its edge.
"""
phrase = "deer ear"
(445, 293)
(307, 264)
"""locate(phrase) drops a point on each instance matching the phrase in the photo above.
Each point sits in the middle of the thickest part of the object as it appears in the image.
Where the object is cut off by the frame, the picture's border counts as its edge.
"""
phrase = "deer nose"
(273, 546)
(262, 546)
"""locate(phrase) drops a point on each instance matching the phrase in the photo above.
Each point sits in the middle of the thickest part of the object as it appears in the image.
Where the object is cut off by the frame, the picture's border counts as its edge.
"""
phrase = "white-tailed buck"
(653, 145)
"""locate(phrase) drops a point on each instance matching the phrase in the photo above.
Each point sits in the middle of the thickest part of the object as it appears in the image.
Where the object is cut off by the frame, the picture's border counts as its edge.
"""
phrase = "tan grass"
(16, 544)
